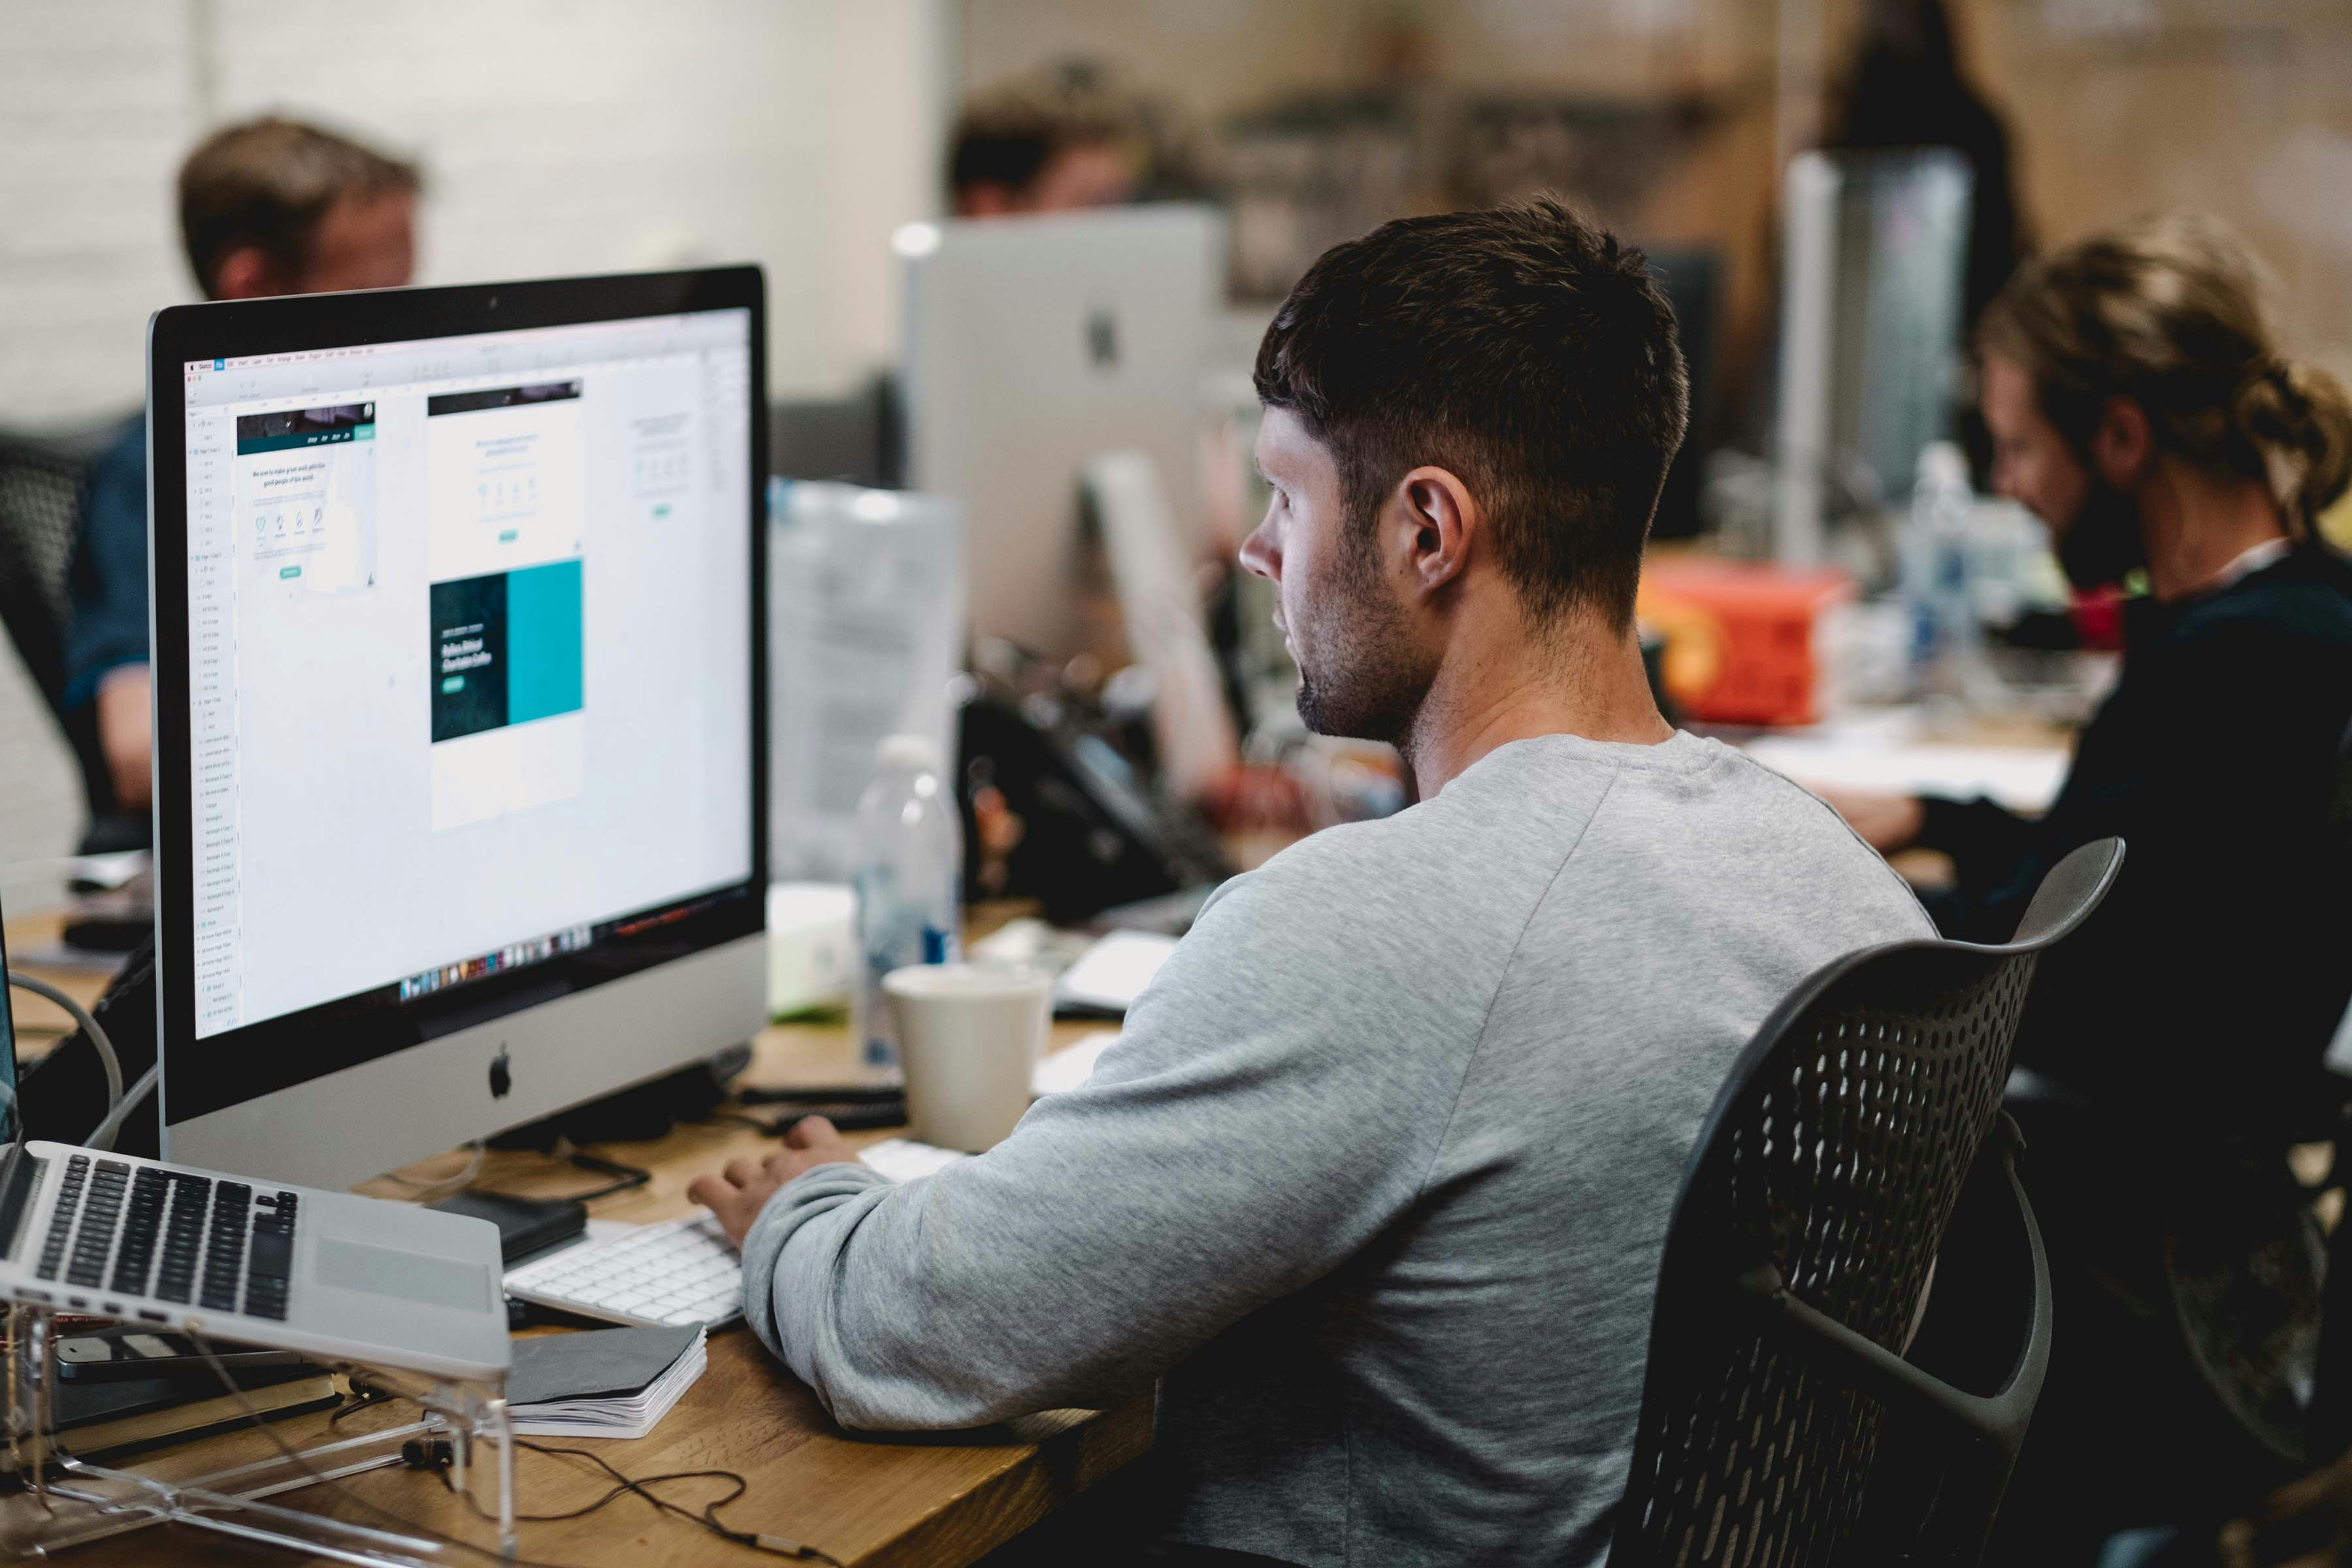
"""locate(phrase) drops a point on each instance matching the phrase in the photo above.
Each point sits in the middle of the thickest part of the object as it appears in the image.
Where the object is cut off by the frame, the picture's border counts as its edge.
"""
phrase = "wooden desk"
(868, 1502)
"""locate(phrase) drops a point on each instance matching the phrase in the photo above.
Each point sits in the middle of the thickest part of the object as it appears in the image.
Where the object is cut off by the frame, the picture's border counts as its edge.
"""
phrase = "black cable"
(844, 1095)
(624, 1177)
(621, 1486)
(364, 1396)
(752, 1539)
(707, 1516)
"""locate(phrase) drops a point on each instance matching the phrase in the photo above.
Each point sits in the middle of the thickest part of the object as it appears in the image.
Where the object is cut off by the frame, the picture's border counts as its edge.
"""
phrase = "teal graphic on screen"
(506, 648)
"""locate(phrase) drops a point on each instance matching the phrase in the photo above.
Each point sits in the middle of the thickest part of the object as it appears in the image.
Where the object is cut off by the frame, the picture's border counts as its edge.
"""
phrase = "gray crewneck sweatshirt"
(1377, 1177)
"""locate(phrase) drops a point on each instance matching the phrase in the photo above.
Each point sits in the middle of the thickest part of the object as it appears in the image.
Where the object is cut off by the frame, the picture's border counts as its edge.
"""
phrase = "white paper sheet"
(2022, 778)
(1072, 1065)
(1113, 970)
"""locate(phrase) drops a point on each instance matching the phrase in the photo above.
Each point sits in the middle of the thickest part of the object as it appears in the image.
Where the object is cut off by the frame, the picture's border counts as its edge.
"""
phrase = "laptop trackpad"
(412, 1276)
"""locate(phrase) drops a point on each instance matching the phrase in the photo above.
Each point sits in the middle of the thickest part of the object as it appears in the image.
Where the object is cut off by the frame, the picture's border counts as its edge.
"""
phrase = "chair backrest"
(1828, 1171)
(43, 488)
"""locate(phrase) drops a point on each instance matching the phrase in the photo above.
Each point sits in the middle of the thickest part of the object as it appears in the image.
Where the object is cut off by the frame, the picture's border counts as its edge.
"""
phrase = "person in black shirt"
(2173, 1047)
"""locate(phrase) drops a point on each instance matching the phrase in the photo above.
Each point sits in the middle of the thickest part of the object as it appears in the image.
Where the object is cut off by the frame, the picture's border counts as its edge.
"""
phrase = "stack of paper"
(615, 1382)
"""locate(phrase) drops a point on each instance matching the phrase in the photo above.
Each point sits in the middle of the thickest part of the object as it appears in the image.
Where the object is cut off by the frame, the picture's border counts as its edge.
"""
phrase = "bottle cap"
(1943, 462)
(914, 753)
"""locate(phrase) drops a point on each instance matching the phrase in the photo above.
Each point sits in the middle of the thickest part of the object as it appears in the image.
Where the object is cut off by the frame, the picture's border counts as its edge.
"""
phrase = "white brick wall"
(559, 136)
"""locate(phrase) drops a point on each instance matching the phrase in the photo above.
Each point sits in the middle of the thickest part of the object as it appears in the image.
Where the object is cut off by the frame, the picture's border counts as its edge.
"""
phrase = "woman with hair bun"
(2141, 406)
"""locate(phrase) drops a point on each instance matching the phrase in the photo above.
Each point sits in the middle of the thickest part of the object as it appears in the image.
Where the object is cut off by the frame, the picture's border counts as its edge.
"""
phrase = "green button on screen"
(290, 570)
(454, 683)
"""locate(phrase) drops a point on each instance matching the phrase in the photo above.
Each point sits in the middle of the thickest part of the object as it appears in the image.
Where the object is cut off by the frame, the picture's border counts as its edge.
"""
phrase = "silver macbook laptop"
(329, 1274)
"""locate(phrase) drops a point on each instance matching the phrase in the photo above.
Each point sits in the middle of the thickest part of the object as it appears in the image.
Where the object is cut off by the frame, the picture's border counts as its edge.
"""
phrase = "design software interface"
(469, 625)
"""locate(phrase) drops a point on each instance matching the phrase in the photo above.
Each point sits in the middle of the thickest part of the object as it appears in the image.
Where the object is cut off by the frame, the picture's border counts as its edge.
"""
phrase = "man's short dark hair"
(1524, 349)
(1004, 148)
(1007, 135)
(268, 182)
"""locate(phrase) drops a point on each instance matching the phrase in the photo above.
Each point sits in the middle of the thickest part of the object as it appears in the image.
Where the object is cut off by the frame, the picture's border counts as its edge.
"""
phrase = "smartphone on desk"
(112, 1354)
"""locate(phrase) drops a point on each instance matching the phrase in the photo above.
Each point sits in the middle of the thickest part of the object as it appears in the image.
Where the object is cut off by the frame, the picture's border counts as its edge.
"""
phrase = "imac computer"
(1034, 346)
(459, 676)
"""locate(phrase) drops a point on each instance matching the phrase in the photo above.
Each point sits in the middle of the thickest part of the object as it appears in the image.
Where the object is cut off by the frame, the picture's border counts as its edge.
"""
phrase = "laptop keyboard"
(173, 1236)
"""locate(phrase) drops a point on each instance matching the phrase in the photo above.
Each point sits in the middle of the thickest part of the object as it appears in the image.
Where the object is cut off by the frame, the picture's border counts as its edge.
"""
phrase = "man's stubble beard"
(1360, 676)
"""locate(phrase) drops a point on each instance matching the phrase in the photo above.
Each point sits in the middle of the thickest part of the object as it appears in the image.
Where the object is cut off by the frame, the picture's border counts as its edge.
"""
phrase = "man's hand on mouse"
(739, 1193)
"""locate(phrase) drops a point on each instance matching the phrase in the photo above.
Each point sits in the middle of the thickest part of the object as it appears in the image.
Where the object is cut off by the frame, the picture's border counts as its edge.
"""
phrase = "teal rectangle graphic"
(543, 648)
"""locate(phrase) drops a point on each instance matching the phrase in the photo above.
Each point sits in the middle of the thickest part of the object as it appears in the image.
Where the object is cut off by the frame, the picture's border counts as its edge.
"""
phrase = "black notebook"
(95, 1418)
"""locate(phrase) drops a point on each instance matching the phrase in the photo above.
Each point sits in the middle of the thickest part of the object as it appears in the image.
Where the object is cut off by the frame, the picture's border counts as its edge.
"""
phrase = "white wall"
(559, 136)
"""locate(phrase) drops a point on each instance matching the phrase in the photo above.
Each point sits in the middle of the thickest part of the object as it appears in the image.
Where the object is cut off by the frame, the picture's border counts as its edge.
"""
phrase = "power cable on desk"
(707, 1516)
(445, 1184)
(624, 1177)
(778, 1545)
(103, 1138)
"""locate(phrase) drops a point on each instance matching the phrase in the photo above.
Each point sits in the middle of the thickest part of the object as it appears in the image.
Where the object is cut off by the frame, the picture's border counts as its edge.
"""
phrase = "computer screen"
(469, 671)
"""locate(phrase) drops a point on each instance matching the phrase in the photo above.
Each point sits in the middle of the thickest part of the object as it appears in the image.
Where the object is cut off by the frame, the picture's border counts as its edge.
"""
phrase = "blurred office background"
(598, 135)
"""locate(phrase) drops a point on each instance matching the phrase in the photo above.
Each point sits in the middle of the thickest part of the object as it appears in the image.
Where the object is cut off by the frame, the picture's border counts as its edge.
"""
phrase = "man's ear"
(246, 272)
(2122, 444)
(1438, 524)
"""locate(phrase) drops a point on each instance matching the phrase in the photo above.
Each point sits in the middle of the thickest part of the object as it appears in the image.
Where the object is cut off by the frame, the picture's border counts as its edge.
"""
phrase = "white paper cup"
(969, 1039)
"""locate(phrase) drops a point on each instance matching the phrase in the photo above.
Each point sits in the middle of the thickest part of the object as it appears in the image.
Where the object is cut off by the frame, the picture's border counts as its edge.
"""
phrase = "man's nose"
(1259, 555)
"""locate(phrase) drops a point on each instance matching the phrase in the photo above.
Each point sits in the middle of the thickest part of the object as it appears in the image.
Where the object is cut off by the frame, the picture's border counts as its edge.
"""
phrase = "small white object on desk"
(1072, 1065)
(1114, 972)
(811, 943)
(969, 1038)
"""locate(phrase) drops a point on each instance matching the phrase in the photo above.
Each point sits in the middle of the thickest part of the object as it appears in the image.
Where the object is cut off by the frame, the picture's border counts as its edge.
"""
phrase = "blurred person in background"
(1057, 141)
(268, 206)
(2142, 409)
(1903, 88)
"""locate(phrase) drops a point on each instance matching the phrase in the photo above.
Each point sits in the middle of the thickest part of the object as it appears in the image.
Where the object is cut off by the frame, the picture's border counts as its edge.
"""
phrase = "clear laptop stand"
(67, 1502)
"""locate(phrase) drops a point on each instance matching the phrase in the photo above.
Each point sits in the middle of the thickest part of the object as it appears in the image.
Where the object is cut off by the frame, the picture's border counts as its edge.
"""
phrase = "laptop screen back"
(16, 1172)
(10, 1124)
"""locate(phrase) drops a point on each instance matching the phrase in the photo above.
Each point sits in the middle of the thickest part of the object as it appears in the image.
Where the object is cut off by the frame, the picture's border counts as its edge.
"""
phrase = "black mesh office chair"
(2328, 1420)
(1800, 1257)
(43, 486)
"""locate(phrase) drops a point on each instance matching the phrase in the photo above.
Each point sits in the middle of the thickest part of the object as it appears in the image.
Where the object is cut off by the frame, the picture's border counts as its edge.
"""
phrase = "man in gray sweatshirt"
(1376, 1180)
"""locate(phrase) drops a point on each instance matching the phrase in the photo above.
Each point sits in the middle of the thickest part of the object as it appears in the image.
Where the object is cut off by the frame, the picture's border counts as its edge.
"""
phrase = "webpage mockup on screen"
(447, 589)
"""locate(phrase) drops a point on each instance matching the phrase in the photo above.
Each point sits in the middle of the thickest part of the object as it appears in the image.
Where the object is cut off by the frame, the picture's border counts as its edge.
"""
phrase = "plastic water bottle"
(1935, 573)
(908, 860)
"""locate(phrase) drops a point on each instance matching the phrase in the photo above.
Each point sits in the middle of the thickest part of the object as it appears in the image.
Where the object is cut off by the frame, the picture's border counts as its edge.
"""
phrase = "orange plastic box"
(1743, 639)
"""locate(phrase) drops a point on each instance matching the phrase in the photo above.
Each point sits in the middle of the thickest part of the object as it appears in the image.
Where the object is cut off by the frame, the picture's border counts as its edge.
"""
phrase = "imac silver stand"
(64, 1501)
